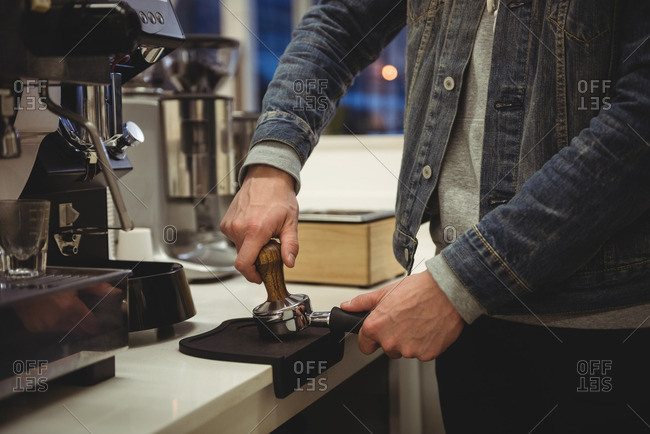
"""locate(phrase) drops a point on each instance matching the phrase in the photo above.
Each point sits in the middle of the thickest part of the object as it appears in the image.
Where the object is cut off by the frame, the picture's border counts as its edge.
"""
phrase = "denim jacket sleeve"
(578, 200)
(332, 44)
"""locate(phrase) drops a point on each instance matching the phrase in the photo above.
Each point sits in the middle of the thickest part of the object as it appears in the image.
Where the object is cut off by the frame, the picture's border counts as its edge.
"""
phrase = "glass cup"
(24, 225)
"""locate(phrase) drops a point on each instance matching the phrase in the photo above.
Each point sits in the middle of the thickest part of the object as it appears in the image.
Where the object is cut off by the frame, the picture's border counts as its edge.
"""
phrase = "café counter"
(157, 389)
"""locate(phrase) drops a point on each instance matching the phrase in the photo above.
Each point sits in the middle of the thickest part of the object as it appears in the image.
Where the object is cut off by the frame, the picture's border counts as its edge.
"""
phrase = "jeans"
(506, 377)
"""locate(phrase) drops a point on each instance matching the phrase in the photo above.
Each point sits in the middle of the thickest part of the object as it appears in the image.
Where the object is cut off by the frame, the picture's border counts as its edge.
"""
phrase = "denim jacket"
(565, 176)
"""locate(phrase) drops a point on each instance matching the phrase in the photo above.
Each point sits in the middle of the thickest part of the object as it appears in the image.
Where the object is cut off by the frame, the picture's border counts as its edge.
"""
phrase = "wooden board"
(359, 254)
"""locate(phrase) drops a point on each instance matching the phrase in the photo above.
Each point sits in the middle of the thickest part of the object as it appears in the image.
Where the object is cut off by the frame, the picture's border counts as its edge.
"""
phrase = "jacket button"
(406, 254)
(426, 172)
(449, 83)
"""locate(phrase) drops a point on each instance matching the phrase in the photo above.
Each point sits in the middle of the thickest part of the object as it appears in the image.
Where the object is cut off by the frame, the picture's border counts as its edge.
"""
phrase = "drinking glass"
(24, 227)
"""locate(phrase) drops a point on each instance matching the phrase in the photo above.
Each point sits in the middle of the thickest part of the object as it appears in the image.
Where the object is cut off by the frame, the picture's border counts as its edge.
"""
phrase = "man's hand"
(265, 206)
(410, 318)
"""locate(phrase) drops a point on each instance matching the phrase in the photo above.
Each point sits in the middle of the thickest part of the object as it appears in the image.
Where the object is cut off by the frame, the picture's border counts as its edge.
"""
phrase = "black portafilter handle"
(341, 321)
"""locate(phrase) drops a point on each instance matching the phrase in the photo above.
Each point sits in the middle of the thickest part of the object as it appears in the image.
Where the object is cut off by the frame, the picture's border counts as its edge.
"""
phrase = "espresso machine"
(64, 139)
(195, 146)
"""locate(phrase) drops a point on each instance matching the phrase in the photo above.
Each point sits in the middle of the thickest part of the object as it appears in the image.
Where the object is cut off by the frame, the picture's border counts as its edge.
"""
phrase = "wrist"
(455, 291)
(263, 171)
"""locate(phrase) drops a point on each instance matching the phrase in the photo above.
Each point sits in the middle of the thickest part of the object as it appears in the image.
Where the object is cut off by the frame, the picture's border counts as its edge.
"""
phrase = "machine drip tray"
(56, 279)
(59, 323)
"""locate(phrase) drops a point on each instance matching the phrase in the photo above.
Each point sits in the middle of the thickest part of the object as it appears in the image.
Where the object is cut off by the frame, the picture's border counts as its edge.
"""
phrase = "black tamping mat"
(296, 359)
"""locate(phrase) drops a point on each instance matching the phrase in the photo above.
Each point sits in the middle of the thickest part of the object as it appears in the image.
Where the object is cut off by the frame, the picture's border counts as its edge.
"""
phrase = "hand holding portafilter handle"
(338, 320)
(284, 313)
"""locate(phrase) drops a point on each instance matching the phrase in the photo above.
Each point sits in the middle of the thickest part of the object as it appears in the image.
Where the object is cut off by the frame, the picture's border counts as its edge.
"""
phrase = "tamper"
(283, 313)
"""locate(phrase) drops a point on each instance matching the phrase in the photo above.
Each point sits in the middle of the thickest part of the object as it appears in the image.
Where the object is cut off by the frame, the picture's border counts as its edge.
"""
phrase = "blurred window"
(374, 104)
(198, 16)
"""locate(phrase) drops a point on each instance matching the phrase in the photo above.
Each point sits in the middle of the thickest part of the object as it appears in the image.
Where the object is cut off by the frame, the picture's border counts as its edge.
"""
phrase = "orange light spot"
(389, 72)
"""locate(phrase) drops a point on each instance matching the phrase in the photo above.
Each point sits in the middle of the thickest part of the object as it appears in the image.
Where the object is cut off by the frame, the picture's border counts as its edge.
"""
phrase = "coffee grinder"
(192, 155)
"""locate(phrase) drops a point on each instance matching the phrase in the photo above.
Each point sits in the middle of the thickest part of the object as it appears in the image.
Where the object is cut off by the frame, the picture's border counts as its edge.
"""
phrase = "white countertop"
(158, 389)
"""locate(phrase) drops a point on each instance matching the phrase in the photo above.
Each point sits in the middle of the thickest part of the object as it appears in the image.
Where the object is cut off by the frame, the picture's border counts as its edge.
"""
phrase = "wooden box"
(345, 248)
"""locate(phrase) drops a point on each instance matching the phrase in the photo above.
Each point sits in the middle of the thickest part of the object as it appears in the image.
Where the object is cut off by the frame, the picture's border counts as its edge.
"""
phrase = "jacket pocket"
(417, 9)
(582, 20)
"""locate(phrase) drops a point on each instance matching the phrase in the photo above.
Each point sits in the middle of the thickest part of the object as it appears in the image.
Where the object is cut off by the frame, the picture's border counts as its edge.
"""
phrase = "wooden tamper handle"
(270, 266)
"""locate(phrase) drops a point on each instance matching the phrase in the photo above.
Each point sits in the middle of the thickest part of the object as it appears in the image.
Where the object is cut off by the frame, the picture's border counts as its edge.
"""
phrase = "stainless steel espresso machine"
(191, 156)
(62, 65)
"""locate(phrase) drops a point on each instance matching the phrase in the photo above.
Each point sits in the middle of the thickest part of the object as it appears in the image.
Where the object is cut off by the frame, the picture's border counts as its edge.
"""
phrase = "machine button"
(143, 18)
(406, 253)
(426, 172)
(160, 18)
(449, 83)
(152, 19)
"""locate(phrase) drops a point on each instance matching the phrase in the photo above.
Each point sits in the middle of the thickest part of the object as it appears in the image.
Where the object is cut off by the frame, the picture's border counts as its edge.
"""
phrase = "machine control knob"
(132, 135)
